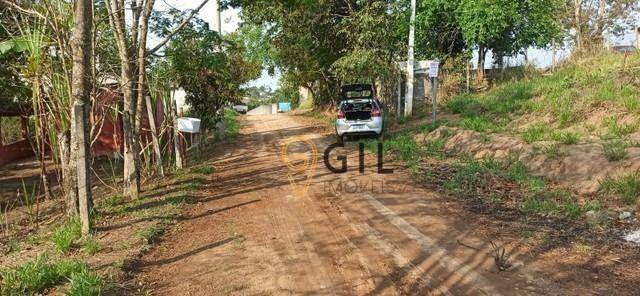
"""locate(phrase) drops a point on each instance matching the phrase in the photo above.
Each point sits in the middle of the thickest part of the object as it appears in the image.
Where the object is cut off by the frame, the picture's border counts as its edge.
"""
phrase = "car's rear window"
(357, 105)
(358, 94)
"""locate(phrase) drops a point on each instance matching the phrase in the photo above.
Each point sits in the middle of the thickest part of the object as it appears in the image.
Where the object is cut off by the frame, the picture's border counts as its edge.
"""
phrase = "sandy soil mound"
(580, 167)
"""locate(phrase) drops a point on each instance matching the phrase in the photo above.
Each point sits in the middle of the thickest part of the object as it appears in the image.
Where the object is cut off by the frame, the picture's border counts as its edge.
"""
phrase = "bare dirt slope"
(250, 232)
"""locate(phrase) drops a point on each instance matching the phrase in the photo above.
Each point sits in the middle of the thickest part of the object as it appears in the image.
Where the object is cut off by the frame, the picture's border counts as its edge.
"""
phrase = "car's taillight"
(341, 114)
(375, 112)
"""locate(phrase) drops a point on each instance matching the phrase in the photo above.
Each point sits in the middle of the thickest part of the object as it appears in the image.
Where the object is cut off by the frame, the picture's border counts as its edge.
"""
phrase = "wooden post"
(434, 94)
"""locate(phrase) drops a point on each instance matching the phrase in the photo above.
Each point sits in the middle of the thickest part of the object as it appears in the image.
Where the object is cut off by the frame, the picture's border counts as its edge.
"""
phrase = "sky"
(231, 20)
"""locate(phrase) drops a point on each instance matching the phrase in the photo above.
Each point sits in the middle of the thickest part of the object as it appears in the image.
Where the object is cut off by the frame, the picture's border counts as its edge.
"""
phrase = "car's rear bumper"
(359, 127)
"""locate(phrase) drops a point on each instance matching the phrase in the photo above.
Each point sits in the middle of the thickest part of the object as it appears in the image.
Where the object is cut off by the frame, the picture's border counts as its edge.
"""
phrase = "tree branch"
(23, 10)
(176, 30)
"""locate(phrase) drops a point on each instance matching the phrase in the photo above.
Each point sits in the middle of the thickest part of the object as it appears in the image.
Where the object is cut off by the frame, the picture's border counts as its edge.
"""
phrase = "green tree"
(321, 44)
(507, 27)
(211, 69)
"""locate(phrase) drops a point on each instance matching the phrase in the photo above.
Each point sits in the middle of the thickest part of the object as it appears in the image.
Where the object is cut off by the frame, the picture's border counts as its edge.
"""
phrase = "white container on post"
(189, 125)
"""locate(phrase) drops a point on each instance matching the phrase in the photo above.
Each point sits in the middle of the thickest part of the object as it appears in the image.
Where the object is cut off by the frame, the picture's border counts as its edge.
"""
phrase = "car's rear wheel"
(340, 139)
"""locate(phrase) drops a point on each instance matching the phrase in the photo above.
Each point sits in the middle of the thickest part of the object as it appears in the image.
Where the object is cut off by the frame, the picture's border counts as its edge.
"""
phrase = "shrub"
(231, 120)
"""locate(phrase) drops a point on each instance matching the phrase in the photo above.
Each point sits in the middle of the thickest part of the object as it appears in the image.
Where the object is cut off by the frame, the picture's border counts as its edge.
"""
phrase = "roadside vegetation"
(585, 100)
(57, 258)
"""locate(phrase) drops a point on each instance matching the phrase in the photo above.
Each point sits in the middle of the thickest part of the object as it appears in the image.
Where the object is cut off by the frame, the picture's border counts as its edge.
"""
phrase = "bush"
(231, 121)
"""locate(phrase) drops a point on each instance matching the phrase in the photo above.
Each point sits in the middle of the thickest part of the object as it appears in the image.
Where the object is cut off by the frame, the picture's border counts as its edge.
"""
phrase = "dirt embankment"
(580, 167)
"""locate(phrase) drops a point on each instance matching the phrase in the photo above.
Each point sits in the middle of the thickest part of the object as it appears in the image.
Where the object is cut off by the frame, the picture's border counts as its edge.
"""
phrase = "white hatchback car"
(359, 113)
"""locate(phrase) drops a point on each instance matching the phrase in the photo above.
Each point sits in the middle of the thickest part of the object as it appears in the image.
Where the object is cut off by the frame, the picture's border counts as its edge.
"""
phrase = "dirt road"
(252, 232)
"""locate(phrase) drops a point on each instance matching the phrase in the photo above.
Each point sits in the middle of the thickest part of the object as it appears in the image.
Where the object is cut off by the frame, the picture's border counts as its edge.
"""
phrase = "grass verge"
(39, 275)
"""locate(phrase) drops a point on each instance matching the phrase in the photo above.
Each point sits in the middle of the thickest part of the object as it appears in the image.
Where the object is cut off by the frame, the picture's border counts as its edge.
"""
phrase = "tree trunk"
(468, 75)
(602, 8)
(141, 65)
(131, 156)
(81, 91)
(69, 182)
(154, 137)
(482, 51)
(578, 25)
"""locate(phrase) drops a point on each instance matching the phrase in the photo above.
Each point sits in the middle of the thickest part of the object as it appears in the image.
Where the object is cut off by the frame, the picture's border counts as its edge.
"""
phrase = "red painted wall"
(15, 151)
(104, 120)
(102, 117)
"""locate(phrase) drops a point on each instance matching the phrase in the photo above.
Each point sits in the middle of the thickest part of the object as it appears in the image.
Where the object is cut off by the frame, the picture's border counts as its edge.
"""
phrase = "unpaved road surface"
(251, 232)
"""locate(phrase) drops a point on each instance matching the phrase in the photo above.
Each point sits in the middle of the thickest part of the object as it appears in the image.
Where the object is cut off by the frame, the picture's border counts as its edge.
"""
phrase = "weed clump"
(36, 276)
(615, 150)
(625, 188)
(66, 235)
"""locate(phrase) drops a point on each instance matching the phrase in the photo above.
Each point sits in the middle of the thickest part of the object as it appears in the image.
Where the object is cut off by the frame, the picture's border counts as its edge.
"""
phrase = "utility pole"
(410, 61)
(217, 24)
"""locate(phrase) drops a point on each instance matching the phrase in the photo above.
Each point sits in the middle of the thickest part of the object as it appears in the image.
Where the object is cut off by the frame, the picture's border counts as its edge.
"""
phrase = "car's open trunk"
(358, 110)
